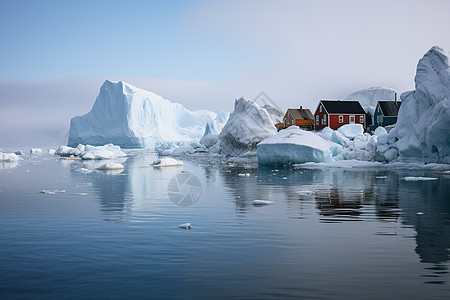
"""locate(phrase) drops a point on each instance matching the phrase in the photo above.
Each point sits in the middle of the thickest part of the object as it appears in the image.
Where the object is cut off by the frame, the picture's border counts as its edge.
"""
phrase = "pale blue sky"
(54, 55)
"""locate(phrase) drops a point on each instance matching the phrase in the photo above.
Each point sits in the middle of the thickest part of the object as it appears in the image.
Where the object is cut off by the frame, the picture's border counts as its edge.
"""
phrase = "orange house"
(299, 117)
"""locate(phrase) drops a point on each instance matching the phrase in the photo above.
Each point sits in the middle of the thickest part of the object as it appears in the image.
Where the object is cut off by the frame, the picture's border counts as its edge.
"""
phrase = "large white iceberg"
(422, 130)
(369, 97)
(248, 125)
(293, 145)
(134, 118)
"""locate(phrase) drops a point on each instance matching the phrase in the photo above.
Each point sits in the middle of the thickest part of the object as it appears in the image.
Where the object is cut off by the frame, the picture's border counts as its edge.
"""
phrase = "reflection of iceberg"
(111, 190)
(433, 227)
(4, 165)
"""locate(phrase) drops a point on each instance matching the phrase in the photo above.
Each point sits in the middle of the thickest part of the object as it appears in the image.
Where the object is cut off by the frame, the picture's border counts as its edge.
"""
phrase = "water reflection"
(109, 186)
(426, 206)
(139, 193)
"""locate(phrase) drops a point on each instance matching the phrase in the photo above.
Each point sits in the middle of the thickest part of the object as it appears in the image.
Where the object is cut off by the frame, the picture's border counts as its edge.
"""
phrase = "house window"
(317, 119)
(341, 119)
(324, 119)
(352, 119)
(320, 108)
(361, 119)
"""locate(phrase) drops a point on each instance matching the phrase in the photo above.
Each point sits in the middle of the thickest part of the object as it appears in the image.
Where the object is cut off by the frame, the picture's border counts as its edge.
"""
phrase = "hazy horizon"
(202, 54)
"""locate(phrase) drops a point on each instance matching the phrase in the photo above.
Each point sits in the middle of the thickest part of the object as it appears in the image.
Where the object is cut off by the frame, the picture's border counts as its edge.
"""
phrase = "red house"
(299, 117)
(336, 113)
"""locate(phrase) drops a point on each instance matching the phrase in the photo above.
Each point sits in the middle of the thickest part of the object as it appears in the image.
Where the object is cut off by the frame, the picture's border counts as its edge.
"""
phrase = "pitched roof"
(343, 107)
(389, 108)
(301, 114)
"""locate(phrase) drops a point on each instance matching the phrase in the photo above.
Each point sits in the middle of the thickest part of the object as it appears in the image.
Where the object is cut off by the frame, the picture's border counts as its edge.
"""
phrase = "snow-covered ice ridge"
(134, 118)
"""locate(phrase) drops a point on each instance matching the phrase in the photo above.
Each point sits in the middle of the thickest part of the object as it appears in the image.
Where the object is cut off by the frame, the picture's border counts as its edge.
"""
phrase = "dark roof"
(389, 108)
(343, 107)
(301, 114)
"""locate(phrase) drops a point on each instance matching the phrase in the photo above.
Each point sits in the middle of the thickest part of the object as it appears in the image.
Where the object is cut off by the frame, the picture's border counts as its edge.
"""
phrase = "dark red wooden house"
(299, 117)
(335, 113)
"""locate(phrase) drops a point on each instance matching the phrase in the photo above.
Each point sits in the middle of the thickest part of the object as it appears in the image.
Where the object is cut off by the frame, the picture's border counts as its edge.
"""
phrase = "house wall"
(335, 124)
(288, 120)
(322, 116)
(304, 123)
(385, 120)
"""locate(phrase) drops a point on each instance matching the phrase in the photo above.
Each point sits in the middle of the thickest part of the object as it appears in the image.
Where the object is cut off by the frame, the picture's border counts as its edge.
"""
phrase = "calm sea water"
(330, 233)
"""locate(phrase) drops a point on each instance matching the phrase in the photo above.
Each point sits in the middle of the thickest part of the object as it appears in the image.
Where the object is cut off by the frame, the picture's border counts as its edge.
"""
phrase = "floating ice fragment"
(52, 192)
(411, 178)
(185, 226)
(244, 174)
(35, 151)
(419, 213)
(381, 177)
(167, 162)
(9, 157)
(262, 202)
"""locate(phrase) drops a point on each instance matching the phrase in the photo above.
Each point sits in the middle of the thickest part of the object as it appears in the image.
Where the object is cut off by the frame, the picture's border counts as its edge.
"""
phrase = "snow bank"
(167, 162)
(9, 157)
(422, 130)
(134, 118)
(293, 145)
(248, 125)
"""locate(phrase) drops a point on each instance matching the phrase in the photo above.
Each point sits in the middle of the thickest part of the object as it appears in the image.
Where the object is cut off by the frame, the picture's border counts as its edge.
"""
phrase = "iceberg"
(293, 145)
(369, 97)
(422, 130)
(275, 114)
(248, 125)
(134, 118)
(89, 152)
(9, 157)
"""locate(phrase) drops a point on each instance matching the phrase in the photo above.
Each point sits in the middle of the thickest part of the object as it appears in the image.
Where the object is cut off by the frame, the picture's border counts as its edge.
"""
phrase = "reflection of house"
(299, 117)
(335, 113)
(386, 113)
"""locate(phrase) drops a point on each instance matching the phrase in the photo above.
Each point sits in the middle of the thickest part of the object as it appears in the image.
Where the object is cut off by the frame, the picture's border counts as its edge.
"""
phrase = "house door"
(352, 119)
